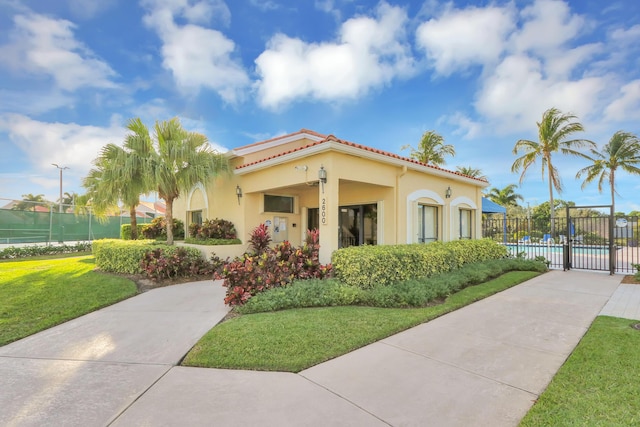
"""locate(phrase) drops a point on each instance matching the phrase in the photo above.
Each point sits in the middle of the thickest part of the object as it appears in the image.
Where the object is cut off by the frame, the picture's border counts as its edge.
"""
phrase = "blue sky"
(480, 73)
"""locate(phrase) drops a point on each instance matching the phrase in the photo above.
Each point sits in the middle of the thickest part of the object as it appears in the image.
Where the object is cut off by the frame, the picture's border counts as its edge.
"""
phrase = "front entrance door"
(358, 225)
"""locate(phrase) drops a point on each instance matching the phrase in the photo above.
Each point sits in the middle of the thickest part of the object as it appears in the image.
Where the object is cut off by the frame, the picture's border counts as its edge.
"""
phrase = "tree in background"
(506, 196)
(621, 152)
(553, 133)
(122, 174)
(431, 149)
(29, 202)
(471, 172)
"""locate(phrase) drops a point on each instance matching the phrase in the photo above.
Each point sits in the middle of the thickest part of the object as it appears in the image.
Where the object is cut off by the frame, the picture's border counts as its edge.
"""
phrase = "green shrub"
(212, 242)
(125, 231)
(304, 293)
(404, 294)
(36, 250)
(157, 229)
(213, 229)
(121, 256)
(369, 266)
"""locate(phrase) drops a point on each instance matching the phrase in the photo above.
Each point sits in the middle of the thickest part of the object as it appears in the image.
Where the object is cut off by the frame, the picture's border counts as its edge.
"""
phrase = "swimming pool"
(538, 249)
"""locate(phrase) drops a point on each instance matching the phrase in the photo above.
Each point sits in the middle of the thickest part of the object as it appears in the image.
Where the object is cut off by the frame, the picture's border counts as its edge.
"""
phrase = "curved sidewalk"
(484, 364)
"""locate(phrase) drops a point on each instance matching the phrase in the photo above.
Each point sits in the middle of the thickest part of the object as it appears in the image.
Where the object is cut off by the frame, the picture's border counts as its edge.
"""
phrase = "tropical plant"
(29, 202)
(122, 174)
(505, 196)
(472, 172)
(621, 152)
(553, 133)
(181, 160)
(431, 149)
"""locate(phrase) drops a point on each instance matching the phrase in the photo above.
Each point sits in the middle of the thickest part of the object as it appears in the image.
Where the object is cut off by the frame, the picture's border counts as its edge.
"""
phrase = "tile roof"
(332, 138)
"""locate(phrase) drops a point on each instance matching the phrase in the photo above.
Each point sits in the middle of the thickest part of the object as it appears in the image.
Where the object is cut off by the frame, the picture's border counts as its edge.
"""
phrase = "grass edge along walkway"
(37, 294)
(296, 339)
(598, 384)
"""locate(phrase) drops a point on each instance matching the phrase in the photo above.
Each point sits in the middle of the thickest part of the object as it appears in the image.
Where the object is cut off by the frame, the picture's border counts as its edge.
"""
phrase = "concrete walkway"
(482, 365)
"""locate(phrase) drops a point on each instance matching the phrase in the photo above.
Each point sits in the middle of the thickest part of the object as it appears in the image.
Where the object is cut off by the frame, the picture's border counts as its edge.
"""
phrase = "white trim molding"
(411, 198)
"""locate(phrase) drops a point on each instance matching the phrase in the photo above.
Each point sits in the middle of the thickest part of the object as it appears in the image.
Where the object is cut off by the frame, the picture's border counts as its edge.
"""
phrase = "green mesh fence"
(26, 227)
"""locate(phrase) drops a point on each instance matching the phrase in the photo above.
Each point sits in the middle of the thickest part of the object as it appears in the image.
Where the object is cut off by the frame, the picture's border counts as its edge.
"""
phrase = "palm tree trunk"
(553, 213)
(169, 217)
(613, 190)
(134, 222)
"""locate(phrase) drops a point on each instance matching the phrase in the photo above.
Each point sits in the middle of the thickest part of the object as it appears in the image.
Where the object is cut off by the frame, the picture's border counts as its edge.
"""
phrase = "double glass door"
(358, 225)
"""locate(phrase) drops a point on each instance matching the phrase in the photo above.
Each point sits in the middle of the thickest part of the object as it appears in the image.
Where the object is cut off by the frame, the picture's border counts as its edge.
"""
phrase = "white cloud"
(67, 144)
(198, 57)
(265, 5)
(369, 52)
(461, 38)
(627, 106)
(41, 45)
(516, 93)
(84, 9)
(548, 25)
(531, 60)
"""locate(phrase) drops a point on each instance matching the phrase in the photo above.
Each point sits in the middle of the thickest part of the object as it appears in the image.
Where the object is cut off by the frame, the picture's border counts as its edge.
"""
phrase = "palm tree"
(471, 172)
(431, 150)
(181, 160)
(621, 152)
(29, 202)
(506, 196)
(122, 174)
(553, 131)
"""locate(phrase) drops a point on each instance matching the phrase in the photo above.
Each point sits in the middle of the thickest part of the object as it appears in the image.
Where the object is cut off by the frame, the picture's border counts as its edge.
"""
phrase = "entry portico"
(353, 194)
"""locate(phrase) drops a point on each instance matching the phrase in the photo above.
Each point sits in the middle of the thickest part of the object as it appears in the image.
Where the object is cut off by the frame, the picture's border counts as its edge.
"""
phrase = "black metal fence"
(591, 243)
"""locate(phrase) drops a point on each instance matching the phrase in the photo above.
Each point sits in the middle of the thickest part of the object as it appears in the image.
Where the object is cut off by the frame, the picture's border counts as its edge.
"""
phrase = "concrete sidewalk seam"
(424, 356)
(344, 399)
(115, 418)
(111, 362)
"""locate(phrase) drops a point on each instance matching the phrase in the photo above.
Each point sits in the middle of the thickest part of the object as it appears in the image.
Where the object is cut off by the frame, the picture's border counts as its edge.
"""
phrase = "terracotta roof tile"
(332, 138)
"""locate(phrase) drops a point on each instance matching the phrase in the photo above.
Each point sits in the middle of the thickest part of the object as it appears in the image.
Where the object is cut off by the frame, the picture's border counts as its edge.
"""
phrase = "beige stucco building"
(353, 194)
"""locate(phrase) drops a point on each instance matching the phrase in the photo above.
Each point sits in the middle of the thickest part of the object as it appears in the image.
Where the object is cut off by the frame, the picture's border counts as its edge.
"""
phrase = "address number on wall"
(323, 212)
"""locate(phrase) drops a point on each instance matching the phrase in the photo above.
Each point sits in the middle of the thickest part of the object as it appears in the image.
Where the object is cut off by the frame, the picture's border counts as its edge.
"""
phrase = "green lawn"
(293, 340)
(36, 294)
(599, 384)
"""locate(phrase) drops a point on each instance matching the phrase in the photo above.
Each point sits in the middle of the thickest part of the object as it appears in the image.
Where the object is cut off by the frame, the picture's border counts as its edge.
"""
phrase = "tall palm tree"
(431, 149)
(181, 160)
(29, 202)
(505, 196)
(553, 133)
(621, 152)
(472, 172)
(122, 174)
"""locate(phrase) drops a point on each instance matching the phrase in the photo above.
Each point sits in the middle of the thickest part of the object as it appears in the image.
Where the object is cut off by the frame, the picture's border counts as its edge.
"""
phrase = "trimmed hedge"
(125, 231)
(124, 256)
(369, 266)
(405, 294)
(212, 242)
(36, 250)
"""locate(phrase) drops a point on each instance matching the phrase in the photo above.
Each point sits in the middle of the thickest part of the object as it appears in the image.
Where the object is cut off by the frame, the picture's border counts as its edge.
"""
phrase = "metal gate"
(602, 242)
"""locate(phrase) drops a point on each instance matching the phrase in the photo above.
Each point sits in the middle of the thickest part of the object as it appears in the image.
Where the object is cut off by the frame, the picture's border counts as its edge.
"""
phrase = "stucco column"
(329, 214)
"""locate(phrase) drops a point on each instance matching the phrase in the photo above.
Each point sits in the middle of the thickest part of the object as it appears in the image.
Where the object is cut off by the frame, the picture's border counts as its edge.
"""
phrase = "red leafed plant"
(268, 268)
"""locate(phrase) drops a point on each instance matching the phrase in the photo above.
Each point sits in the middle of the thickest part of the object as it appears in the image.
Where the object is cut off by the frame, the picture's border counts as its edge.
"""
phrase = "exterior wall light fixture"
(238, 193)
(447, 193)
(322, 176)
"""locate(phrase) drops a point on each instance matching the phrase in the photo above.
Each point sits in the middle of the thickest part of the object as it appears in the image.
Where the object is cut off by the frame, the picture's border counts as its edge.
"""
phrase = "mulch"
(630, 280)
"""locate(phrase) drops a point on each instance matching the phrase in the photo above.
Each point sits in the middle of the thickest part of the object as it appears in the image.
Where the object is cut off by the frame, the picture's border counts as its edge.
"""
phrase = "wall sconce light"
(447, 193)
(322, 176)
(238, 193)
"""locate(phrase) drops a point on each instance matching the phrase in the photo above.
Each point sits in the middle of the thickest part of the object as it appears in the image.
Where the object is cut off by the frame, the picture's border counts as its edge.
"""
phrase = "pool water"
(556, 249)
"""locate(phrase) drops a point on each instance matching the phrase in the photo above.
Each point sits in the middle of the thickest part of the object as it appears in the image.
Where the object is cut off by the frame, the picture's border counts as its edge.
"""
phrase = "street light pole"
(61, 169)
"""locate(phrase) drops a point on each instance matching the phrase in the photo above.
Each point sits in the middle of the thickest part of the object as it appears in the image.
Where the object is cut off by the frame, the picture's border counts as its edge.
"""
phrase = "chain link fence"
(43, 222)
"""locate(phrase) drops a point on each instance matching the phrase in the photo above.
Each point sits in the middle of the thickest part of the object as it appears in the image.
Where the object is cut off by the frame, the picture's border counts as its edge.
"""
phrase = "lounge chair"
(525, 239)
(546, 239)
